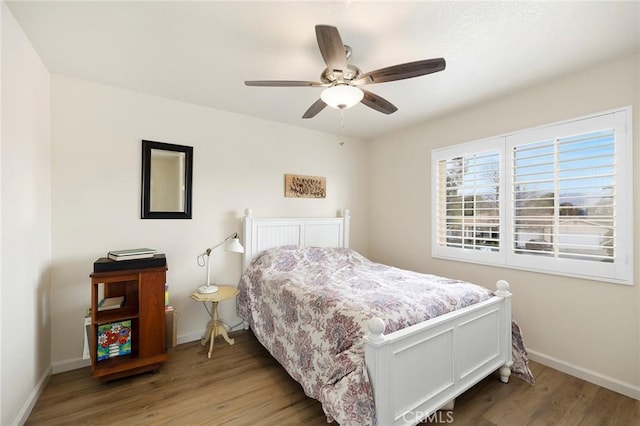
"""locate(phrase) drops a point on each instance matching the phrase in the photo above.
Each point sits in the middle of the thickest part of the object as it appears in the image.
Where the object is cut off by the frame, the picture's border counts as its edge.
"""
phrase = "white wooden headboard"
(263, 233)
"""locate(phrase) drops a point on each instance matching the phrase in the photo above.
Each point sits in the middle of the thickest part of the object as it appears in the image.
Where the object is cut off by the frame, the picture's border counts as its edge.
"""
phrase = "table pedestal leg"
(216, 329)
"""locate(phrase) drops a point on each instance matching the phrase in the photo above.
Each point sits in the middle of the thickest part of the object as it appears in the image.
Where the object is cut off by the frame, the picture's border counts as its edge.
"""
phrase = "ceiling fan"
(343, 80)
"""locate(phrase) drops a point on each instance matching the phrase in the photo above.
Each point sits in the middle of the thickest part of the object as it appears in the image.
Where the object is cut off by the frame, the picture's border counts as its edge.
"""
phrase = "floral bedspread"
(309, 307)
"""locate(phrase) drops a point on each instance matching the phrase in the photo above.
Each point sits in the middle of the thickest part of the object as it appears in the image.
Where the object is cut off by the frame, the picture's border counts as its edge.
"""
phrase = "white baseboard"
(70, 364)
(74, 364)
(192, 337)
(186, 338)
(25, 411)
(610, 383)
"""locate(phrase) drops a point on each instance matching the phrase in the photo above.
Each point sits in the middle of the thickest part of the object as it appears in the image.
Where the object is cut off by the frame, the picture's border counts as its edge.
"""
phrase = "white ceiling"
(201, 52)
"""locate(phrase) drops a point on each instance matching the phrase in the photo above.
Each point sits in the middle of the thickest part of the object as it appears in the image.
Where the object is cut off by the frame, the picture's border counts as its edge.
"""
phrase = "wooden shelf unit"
(143, 291)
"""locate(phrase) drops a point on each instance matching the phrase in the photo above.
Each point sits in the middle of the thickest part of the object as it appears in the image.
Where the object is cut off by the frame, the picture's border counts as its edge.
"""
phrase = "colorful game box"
(114, 339)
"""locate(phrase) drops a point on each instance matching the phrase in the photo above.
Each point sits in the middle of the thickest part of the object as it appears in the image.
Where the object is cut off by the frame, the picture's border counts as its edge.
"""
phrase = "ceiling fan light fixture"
(341, 96)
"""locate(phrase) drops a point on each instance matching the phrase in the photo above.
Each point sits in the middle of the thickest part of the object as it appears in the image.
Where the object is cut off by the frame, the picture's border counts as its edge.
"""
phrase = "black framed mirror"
(167, 171)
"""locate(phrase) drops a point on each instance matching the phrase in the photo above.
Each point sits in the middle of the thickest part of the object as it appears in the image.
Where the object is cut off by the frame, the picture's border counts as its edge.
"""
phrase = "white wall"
(586, 327)
(239, 162)
(25, 230)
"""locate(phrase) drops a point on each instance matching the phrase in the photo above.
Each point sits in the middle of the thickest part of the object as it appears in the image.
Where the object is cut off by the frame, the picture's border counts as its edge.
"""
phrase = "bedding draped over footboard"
(309, 307)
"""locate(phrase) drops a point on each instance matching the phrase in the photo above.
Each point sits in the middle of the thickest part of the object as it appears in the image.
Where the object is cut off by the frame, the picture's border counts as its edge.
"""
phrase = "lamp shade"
(234, 246)
(341, 96)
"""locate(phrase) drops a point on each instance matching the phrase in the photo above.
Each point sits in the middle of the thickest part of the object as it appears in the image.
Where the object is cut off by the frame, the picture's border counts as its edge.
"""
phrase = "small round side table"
(215, 328)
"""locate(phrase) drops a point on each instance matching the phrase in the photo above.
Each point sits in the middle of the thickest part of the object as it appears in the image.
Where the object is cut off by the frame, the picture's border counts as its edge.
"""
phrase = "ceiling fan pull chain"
(341, 127)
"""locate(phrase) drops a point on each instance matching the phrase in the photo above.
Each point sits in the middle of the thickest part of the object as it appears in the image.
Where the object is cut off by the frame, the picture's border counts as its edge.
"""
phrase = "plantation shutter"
(564, 197)
(468, 201)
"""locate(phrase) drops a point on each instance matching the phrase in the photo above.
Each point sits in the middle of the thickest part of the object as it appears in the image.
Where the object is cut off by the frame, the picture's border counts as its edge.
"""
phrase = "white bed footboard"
(419, 369)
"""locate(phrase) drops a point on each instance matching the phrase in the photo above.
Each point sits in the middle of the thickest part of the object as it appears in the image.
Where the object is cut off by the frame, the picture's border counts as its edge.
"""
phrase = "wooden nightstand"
(142, 312)
(215, 328)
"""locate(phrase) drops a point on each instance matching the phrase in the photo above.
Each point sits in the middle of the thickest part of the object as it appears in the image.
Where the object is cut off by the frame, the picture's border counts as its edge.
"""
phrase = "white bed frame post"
(346, 220)
(247, 238)
(376, 358)
(503, 291)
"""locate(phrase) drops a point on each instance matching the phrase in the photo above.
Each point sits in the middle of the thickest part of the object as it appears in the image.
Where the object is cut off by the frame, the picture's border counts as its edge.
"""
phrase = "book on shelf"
(86, 354)
(111, 303)
(130, 254)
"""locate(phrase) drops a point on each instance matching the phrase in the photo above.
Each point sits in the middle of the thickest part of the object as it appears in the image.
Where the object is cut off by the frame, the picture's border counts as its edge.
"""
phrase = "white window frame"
(620, 271)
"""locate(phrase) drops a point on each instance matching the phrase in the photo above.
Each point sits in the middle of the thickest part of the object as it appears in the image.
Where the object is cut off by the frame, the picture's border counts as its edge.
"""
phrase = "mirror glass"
(166, 180)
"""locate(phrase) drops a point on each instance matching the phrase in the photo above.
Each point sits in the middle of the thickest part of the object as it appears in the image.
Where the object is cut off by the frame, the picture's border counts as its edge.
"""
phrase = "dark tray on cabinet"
(104, 264)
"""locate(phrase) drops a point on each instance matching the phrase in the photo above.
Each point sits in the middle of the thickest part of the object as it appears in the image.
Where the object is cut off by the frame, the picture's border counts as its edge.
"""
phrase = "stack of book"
(131, 254)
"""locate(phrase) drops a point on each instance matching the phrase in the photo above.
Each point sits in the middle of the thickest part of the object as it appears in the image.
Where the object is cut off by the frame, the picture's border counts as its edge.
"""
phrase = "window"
(554, 199)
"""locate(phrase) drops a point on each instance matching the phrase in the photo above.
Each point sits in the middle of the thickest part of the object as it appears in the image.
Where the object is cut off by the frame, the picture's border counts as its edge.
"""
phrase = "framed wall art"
(300, 186)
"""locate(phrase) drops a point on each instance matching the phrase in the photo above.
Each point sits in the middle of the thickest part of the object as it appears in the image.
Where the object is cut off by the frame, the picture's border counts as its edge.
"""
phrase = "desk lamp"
(232, 244)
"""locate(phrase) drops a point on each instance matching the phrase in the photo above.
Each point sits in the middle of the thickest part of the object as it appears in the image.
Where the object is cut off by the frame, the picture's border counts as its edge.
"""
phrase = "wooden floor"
(243, 385)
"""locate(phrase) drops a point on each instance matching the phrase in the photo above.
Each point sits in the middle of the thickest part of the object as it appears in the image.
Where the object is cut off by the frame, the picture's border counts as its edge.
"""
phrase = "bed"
(369, 353)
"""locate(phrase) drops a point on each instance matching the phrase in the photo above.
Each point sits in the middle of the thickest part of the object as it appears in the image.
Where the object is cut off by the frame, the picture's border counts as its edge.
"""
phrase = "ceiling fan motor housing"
(351, 73)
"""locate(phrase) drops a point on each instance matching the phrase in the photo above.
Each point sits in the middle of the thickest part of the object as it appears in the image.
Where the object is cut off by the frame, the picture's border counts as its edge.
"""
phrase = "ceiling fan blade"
(378, 103)
(314, 109)
(331, 48)
(284, 83)
(402, 71)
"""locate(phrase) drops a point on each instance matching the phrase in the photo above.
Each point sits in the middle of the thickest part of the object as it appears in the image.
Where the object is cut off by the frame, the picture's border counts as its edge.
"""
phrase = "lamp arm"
(209, 250)
(202, 261)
